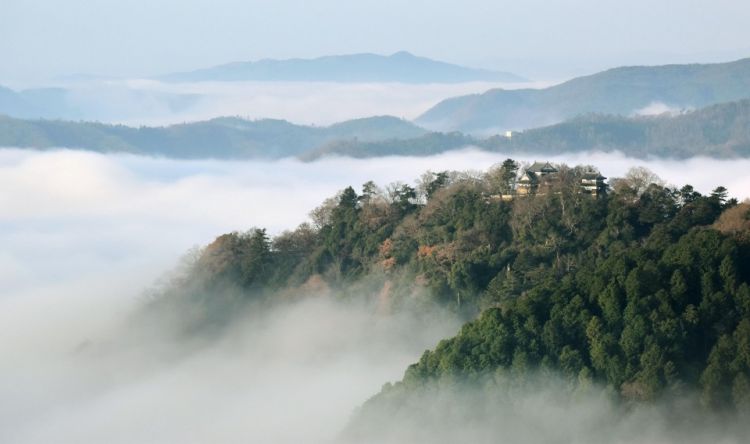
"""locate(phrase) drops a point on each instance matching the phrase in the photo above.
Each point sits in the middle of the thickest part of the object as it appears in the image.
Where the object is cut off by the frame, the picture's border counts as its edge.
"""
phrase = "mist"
(137, 102)
(293, 375)
(659, 108)
(84, 234)
(540, 408)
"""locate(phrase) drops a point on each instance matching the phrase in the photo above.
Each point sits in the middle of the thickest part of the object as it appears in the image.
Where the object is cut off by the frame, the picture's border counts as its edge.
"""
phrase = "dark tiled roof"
(539, 167)
(593, 175)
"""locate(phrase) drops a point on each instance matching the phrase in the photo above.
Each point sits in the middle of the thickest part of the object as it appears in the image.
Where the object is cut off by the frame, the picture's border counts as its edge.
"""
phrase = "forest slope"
(644, 290)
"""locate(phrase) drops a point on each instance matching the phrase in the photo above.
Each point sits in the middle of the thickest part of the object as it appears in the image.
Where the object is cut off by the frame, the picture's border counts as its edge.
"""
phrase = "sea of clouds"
(83, 234)
(151, 102)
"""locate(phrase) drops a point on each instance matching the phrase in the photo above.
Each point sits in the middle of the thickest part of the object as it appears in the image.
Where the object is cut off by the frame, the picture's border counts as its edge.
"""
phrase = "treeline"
(644, 289)
(719, 131)
(220, 138)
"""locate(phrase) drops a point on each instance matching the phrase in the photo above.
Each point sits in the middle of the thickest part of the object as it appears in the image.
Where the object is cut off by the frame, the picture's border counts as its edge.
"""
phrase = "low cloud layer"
(659, 108)
(150, 102)
(292, 376)
(83, 234)
(541, 409)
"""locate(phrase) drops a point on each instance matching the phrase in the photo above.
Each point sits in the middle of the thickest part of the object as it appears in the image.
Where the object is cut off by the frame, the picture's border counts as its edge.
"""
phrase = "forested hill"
(399, 67)
(620, 91)
(221, 138)
(644, 289)
(721, 131)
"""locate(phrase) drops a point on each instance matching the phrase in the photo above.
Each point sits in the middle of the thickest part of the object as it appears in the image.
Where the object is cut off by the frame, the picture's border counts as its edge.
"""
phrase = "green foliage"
(646, 318)
(645, 289)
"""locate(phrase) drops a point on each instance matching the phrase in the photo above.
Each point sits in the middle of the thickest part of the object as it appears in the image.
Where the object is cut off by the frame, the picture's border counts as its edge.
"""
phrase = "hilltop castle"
(541, 175)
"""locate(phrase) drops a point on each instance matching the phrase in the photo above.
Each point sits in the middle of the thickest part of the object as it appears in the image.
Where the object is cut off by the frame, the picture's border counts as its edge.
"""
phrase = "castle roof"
(593, 175)
(542, 167)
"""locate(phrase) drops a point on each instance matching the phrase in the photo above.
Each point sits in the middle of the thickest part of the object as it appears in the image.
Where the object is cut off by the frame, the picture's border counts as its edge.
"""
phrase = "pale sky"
(542, 39)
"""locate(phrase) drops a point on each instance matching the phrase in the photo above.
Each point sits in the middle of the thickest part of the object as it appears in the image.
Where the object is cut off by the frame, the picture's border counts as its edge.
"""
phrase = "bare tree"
(638, 179)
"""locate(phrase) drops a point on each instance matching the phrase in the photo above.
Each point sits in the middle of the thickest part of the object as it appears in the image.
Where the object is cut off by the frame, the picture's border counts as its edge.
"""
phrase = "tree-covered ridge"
(220, 138)
(655, 301)
(716, 131)
(720, 131)
(644, 289)
(648, 320)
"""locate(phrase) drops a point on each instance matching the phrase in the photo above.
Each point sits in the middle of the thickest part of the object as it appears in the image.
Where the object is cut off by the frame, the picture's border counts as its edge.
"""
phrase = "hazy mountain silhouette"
(622, 91)
(399, 67)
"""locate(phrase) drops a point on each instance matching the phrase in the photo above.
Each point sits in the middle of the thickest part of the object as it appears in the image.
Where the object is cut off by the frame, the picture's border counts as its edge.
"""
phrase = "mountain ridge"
(721, 131)
(219, 138)
(401, 67)
(621, 91)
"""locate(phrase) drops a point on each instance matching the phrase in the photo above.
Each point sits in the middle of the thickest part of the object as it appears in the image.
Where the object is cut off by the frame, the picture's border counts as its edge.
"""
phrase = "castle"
(541, 175)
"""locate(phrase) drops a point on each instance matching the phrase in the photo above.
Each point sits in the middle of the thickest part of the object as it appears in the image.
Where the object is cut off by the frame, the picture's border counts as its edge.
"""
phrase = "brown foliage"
(426, 251)
(220, 254)
(388, 264)
(735, 221)
(386, 248)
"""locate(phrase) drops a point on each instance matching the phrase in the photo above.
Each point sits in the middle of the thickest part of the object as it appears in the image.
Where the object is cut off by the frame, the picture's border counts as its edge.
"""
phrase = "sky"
(542, 39)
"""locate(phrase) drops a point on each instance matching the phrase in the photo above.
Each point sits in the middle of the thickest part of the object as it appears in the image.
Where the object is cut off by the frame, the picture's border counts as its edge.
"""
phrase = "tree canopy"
(645, 288)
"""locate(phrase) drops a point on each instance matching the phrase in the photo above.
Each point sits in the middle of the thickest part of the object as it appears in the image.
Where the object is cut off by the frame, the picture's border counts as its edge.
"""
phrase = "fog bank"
(83, 234)
(537, 409)
(292, 375)
(150, 102)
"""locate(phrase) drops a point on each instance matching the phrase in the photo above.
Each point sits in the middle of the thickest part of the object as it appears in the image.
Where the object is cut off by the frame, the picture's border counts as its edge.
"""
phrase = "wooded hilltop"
(643, 288)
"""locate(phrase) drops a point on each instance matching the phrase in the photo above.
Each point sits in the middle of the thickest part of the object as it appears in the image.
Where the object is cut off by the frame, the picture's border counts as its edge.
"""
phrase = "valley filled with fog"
(84, 235)
(154, 103)
(374, 222)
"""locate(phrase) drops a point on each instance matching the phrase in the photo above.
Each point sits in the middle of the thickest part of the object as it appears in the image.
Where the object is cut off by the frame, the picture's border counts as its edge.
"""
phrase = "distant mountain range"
(721, 131)
(221, 138)
(620, 91)
(400, 67)
(626, 91)
(598, 112)
(90, 97)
